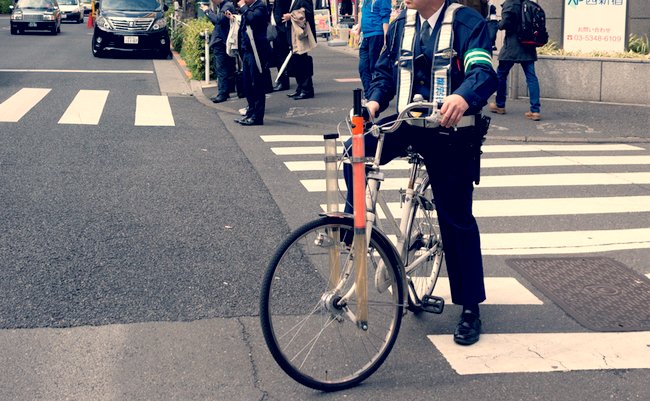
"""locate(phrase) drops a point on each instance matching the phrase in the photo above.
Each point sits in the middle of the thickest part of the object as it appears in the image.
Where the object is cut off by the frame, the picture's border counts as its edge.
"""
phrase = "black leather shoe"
(468, 330)
(293, 94)
(303, 95)
(219, 99)
(239, 120)
(249, 121)
(280, 87)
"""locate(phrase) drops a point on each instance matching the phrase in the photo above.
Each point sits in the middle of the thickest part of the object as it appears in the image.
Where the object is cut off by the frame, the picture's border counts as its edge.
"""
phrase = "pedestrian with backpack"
(514, 52)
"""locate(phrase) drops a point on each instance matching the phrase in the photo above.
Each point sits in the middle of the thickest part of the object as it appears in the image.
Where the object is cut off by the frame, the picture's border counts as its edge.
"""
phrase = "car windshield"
(131, 5)
(68, 2)
(35, 4)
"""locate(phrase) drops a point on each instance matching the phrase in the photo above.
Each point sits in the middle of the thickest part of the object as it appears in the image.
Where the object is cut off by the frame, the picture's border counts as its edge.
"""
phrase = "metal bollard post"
(207, 56)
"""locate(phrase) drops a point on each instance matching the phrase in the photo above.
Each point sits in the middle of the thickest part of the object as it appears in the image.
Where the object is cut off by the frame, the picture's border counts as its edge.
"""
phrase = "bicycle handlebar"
(433, 119)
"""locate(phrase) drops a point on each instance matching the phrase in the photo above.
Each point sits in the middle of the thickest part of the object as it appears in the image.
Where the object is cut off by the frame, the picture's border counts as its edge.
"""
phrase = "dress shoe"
(469, 328)
(249, 121)
(533, 116)
(296, 93)
(219, 99)
(280, 87)
(496, 109)
(239, 120)
(303, 95)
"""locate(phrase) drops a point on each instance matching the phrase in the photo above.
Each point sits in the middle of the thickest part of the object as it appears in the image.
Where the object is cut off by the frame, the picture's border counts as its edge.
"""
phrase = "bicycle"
(309, 309)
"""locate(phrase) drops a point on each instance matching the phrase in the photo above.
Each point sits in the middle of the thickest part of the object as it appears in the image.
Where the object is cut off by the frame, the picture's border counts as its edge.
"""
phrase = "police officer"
(255, 50)
(450, 152)
(224, 65)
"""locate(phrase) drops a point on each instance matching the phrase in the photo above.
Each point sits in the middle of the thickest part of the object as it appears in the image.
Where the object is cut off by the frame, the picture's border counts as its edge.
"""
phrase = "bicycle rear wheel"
(309, 333)
(422, 238)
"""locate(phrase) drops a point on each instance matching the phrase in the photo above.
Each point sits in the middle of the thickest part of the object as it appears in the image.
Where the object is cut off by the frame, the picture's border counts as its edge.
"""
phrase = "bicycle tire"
(422, 236)
(316, 347)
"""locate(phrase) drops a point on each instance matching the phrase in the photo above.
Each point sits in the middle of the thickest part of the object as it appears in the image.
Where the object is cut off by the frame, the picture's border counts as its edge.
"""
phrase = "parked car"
(72, 10)
(35, 15)
(130, 26)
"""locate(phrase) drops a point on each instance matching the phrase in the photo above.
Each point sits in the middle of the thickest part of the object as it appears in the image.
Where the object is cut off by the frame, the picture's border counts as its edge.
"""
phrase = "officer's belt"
(465, 121)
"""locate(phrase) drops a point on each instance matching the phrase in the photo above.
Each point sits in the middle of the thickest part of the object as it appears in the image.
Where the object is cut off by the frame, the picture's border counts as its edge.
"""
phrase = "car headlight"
(48, 17)
(159, 24)
(104, 24)
(17, 16)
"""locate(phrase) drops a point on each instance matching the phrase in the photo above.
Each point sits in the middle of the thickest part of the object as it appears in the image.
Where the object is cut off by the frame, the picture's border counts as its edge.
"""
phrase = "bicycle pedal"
(432, 304)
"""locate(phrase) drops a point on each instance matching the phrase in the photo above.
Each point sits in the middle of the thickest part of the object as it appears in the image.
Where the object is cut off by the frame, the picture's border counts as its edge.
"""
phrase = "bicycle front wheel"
(308, 304)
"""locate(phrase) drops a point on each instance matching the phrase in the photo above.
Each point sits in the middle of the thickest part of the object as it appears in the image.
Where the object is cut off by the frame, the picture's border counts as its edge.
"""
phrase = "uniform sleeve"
(475, 47)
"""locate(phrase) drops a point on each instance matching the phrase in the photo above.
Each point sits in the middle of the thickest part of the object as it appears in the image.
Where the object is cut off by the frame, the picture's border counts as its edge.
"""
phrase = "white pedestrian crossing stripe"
(87, 107)
(14, 108)
(499, 290)
(153, 111)
(547, 352)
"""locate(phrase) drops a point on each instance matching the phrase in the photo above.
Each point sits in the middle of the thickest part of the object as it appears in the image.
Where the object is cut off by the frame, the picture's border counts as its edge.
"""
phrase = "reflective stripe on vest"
(441, 81)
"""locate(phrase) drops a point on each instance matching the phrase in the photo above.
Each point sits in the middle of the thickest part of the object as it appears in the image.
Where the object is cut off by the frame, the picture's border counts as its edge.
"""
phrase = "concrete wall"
(591, 79)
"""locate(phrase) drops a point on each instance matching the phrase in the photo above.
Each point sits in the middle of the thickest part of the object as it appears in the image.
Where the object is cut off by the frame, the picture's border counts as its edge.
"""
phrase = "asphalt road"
(131, 255)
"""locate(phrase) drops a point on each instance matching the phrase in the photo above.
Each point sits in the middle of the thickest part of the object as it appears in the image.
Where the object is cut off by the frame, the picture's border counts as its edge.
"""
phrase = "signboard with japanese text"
(595, 25)
(322, 21)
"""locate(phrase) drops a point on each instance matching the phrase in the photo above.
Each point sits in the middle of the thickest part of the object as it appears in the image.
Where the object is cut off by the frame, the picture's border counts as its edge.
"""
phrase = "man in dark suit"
(256, 51)
(224, 65)
(281, 44)
(302, 65)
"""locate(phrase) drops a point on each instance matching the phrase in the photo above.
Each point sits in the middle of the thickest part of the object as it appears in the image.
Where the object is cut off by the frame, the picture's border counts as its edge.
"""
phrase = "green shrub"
(639, 44)
(4, 6)
(637, 48)
(193, 49)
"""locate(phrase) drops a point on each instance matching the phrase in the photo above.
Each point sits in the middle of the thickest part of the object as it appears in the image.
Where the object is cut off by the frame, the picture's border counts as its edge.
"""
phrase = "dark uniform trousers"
(450, 162)
(224, 66)
(255, 85)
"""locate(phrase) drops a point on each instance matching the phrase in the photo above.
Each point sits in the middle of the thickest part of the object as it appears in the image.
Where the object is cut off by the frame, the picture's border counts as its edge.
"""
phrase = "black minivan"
(131, 25)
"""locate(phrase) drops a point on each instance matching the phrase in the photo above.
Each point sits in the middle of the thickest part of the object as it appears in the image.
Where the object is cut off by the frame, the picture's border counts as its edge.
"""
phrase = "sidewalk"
(562, 121)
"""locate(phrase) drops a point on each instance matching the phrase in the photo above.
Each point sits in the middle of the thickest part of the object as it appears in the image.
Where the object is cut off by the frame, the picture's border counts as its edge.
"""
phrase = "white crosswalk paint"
(564, 242)
(86, 108)
(487, 149)
(153, 111)
(550, 206)
(499, 290)
(14, 108)
(546, 352)
(503, 181)
(551, 161)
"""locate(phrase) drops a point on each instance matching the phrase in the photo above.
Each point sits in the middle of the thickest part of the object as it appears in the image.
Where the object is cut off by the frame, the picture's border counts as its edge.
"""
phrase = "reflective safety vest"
(441, 63)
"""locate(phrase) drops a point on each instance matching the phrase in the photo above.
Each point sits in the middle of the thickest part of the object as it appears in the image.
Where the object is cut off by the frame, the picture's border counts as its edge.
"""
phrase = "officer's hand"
(373, 108)
(453, 108)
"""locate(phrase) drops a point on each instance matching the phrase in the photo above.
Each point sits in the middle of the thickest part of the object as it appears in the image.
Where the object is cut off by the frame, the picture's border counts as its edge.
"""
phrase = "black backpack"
(533, 24)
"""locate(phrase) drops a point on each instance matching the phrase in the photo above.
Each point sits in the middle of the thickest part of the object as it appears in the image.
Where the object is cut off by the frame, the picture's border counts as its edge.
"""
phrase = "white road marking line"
(546, 352)
(80, 71)
(499, 290)
(560, 206)
(294, 138)
(564, 242)
(14, 108)
(487, 149)
(550, 206)
(86, 108)
(153, 111)
(503, 181)
(552, 161)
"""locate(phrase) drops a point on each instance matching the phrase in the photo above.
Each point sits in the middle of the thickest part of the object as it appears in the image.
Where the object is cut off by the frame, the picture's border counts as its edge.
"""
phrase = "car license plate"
(32, 24)
(133, 40)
